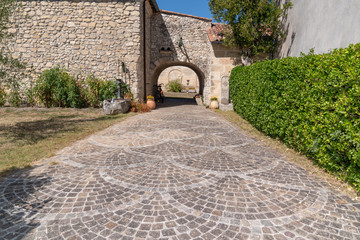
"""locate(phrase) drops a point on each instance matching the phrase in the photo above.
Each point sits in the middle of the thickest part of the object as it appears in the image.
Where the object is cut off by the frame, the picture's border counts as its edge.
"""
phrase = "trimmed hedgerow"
(311, 103)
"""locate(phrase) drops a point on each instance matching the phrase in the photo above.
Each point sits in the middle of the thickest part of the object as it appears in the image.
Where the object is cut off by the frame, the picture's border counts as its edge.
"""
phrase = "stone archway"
(161, 67)
(183, 40)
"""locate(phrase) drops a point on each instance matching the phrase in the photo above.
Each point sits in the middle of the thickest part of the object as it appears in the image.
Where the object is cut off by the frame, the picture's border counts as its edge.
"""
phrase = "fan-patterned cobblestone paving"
(175, 173)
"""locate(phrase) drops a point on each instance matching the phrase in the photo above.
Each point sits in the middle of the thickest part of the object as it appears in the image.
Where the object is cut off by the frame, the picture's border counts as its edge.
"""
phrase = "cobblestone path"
(174, 173)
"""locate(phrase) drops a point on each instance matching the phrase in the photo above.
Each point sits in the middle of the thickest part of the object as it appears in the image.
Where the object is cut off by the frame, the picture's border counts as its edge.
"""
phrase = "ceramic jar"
(214, 104)
(151, 104)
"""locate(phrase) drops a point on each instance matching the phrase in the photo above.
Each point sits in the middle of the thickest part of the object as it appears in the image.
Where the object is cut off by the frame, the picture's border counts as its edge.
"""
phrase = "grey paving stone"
(178, 172)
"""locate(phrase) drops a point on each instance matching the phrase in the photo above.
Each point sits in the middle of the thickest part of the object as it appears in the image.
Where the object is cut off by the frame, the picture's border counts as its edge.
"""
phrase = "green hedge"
(311, 103)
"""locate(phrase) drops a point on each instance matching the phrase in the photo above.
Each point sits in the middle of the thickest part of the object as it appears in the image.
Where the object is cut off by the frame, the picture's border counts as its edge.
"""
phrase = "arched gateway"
(95, 37)
(164, 65)
(194, 42)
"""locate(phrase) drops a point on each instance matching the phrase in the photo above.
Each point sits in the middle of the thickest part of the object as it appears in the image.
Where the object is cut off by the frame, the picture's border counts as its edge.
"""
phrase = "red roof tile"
(216, 32)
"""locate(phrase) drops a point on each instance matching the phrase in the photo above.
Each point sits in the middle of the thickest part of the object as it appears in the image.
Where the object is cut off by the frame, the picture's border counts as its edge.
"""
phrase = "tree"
(9, 66)
(254, 25)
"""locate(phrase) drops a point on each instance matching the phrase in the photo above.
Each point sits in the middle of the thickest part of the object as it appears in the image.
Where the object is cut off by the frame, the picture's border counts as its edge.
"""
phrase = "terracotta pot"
(151, 104)
(214, 104)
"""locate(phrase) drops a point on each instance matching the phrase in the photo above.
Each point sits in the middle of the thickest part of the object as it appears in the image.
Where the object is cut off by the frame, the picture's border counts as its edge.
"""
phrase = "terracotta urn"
(214, 104)
(151, 104)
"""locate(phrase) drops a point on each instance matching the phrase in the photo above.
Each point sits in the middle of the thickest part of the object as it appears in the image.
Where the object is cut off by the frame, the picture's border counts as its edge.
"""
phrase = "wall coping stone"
(185, 15)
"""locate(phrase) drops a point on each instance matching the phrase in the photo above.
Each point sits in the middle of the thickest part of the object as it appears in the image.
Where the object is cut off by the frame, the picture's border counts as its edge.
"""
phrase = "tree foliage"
(9, 66)
(255, 24)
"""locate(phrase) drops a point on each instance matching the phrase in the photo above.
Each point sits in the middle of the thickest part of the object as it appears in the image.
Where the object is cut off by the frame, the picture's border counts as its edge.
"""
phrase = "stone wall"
(224, 59)
(83, 36)
(167, 29)
(184, 74)
(95, 36)
(321, 24)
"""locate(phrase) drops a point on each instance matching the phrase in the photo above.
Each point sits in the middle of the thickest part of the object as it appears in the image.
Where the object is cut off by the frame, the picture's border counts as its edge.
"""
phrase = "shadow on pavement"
(173, 102)
(19, 203)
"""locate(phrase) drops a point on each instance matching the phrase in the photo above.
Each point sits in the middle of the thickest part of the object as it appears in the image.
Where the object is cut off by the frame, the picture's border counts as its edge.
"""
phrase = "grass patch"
(29, 134)
(293, 156)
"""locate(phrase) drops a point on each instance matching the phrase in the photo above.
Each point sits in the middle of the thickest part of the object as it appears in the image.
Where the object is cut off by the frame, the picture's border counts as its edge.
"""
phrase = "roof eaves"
(185, 15)
(154, 5)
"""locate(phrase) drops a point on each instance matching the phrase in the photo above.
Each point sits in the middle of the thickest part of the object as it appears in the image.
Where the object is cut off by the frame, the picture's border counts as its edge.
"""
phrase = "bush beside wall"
(57, 88)
(311, 103)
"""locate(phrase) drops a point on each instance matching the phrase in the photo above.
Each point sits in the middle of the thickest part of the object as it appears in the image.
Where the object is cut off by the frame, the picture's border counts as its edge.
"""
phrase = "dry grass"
(290, 154)
(29, 134)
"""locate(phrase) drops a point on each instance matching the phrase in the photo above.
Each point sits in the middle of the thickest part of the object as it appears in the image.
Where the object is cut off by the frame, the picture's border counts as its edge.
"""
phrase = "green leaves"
(255, 24)
(174, 86)
(311, 103)
(57, 88)
(53, 88)
(2, 96)
(97, 90)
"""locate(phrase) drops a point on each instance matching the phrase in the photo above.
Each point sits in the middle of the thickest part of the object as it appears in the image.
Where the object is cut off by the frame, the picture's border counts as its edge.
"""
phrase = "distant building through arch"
(184, 75)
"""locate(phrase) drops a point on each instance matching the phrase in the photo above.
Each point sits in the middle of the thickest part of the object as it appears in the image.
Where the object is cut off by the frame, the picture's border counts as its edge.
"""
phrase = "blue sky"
(198, 8)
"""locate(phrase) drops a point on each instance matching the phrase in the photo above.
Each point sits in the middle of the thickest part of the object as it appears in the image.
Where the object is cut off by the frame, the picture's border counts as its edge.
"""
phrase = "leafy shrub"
(174, 86)
(2, 96)
(14, 98)
(75, 96)
(30, 96)
(311, 103)
(98, 90)
(107, 90)
(92, 95)
(57, 88)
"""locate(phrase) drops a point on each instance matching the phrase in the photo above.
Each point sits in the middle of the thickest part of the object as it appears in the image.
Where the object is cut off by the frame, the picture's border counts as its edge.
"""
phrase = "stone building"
(96, 36)
(187, 77)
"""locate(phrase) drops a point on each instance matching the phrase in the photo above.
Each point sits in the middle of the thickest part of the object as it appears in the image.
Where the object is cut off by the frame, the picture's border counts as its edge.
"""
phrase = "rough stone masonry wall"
(224, 59)
(166, 32)
(148, 14)
(82, 36)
